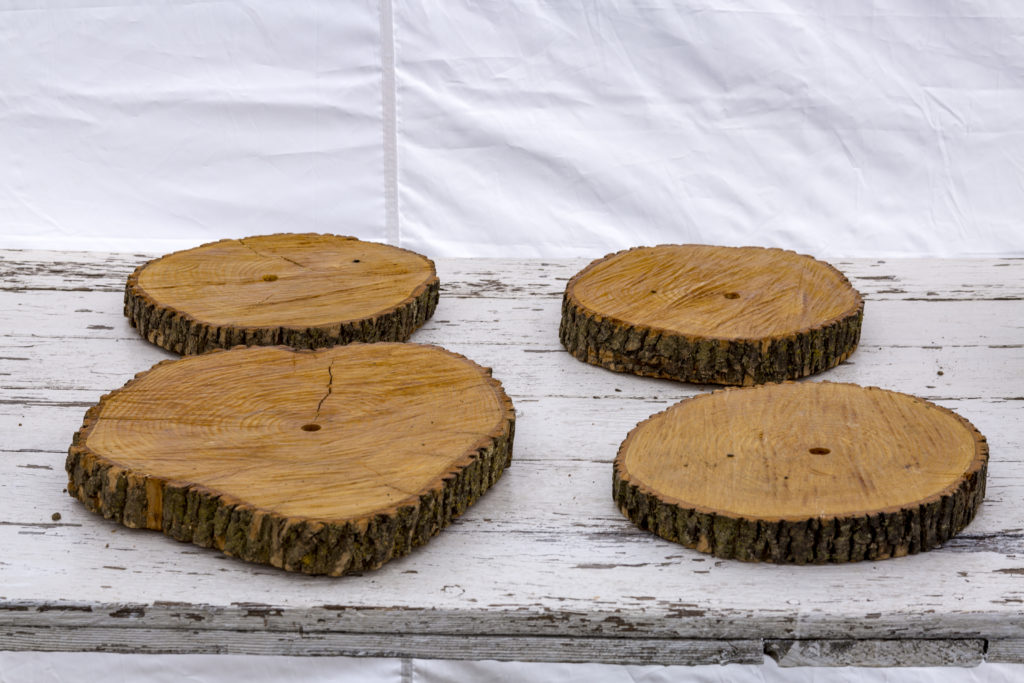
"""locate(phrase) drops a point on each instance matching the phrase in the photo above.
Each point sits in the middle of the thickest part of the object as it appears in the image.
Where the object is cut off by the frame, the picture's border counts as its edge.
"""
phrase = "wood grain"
(299, 290)
(811, 472)
(720, 315)
(323, 462)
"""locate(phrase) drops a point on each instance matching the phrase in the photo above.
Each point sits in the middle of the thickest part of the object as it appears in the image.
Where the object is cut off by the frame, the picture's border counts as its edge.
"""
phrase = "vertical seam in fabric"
(407, 670)
(388, 100)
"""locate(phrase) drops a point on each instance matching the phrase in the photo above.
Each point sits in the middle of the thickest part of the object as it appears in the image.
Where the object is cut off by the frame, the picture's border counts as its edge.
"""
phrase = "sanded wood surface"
(796, 473)
(544, 565)
(709, 314)
(300, 290)
(323, 462)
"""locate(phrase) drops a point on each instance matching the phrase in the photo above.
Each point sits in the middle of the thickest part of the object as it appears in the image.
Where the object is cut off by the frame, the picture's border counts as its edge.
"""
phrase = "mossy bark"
(195, 514)
(711, 314)
(117, 468)
(180, 332)
(872, 536)
(618, 346)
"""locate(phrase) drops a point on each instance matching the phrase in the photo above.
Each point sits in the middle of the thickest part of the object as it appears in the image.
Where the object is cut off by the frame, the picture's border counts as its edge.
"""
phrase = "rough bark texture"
(190, 511)
(813, 539)
(652, 351)
(818, 541)
(178, 332)
(656, 353)
(183, 332)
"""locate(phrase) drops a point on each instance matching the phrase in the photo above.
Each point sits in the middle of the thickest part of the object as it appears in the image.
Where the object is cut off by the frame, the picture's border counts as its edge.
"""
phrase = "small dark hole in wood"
(729, 455)
(654, 291)
(731, 295)
(355, 260)
(817, 450)
(311, 427)
(269, 277)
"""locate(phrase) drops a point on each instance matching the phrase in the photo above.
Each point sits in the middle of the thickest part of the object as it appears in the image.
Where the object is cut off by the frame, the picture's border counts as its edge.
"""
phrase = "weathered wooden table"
(544, 567)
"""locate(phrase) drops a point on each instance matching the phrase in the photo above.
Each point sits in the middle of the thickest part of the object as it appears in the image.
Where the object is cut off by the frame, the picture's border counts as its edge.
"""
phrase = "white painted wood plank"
(527, 506)
(461, 647)
(533, 494)
(914, 279)
(937, 652)
(535, 364)
(97, 315)
(545, 552)
(1005, 651)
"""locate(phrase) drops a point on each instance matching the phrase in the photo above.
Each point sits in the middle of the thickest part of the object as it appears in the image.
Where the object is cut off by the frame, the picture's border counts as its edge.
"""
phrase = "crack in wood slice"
(298, 290)
(708, 314)
(803, 473)
(317, 461)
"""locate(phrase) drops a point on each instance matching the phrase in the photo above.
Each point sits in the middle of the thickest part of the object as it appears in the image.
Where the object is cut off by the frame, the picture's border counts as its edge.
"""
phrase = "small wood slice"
(707, 314)
(322, 462)
(300, 290)
(799, 473)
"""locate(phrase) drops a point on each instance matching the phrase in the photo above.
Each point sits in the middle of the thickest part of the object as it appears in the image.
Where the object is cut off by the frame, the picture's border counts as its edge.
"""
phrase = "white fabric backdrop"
(143, 125)
(852, 129)
(78, 667)
(521, 128)
(510, 128)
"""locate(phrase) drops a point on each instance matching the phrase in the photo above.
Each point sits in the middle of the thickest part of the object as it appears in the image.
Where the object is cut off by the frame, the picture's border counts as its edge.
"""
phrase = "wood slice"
(317, 461)
(798, 473)
(300, 290)
(707, 314)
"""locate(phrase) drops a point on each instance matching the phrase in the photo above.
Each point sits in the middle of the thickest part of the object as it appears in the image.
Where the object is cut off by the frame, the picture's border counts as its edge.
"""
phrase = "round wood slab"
(798, 473)
(323, 462)
(707, 314)
(300, 290)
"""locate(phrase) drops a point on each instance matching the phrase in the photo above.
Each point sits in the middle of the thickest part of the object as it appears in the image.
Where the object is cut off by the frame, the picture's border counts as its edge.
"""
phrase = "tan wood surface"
(723, 315)
(301, 290)
(320, 461)
(803, 472)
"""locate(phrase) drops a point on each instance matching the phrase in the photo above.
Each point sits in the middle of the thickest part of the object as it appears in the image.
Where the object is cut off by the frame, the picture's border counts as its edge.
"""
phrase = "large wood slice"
(300, 290)
(799, 473)
(317, 461)
(707, 314)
